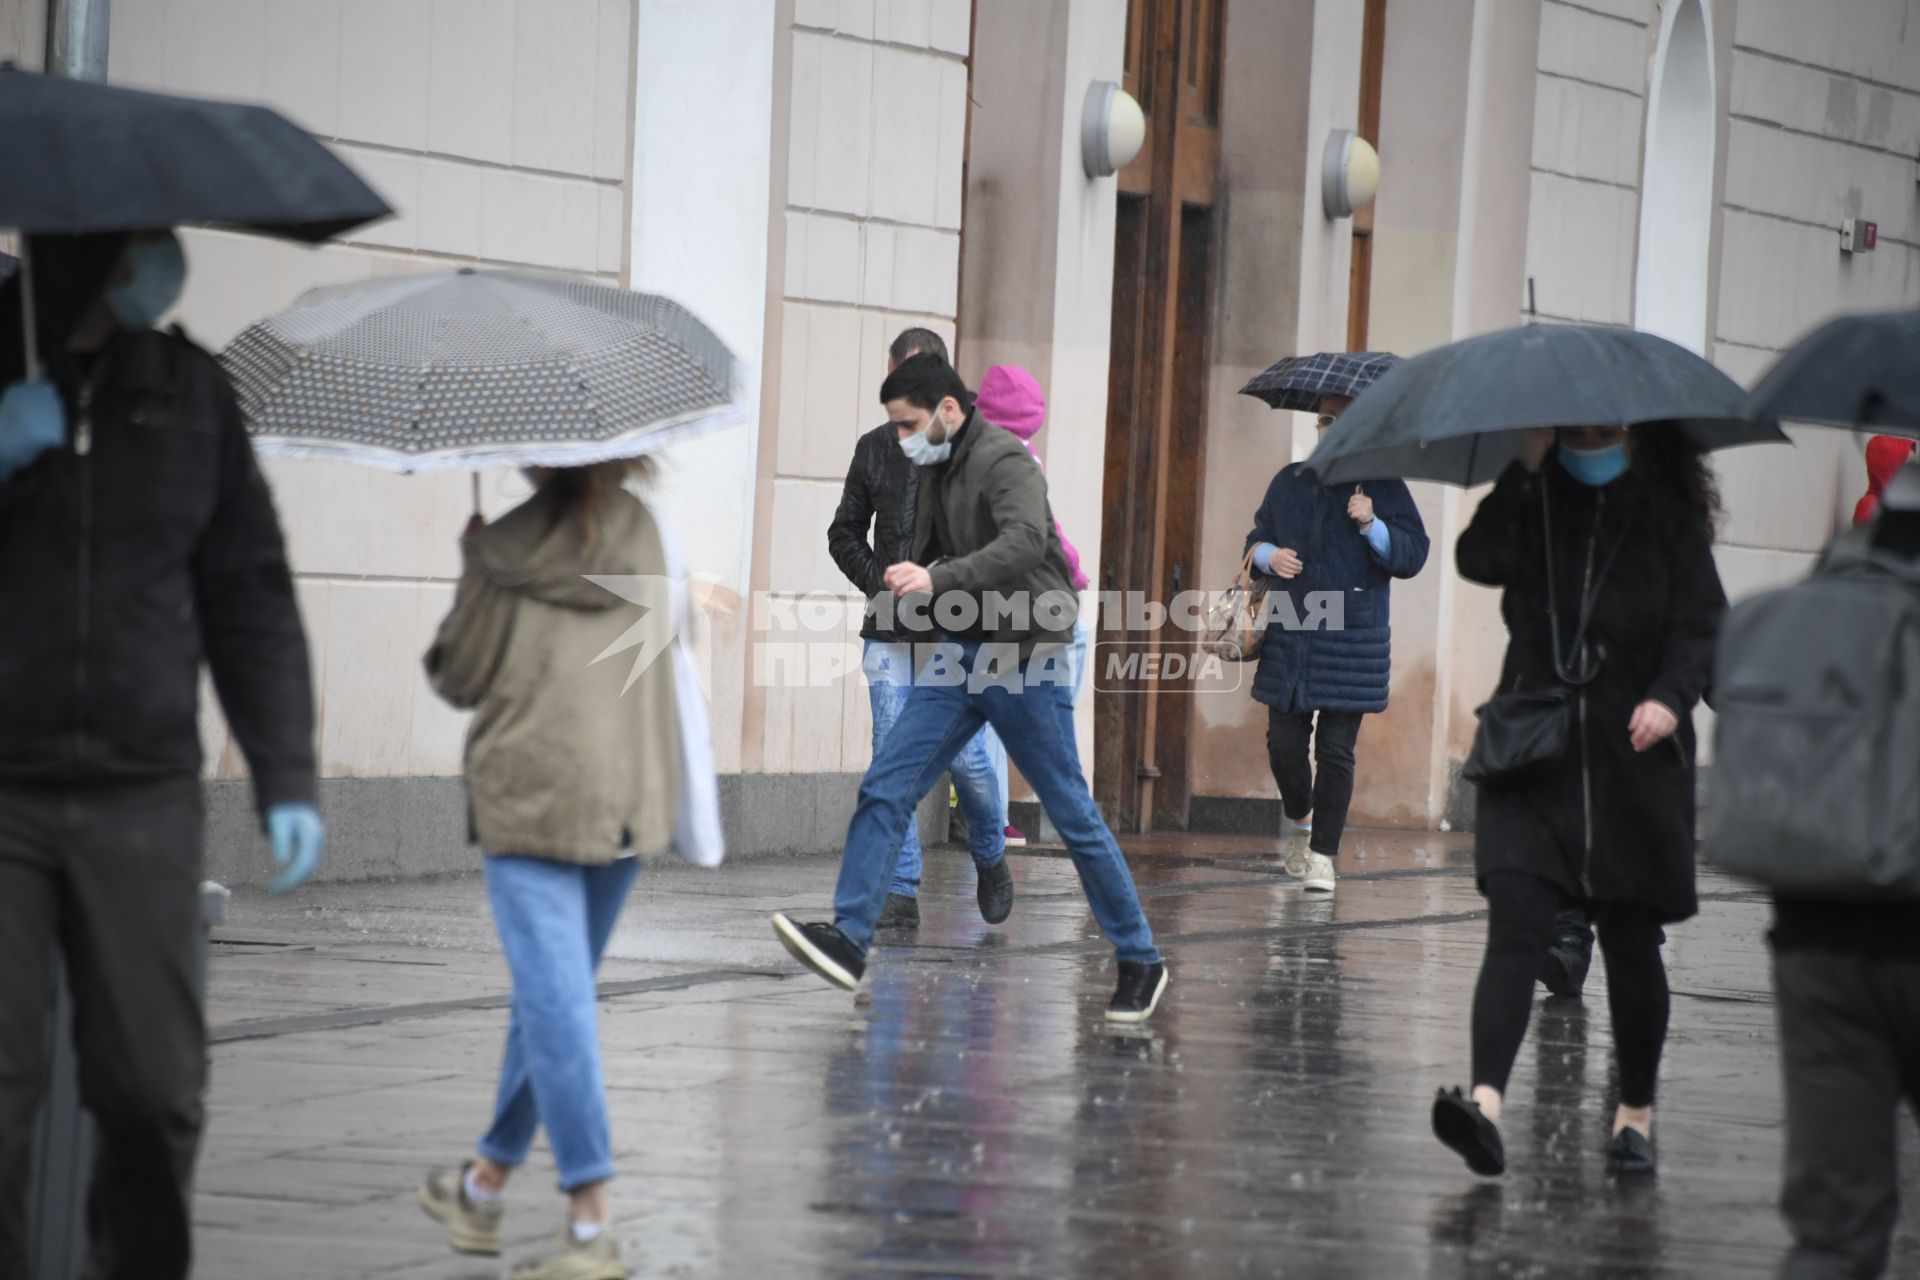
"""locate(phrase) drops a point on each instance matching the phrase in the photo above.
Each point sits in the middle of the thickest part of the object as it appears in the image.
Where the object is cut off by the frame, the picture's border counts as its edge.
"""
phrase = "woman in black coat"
(1624, 520)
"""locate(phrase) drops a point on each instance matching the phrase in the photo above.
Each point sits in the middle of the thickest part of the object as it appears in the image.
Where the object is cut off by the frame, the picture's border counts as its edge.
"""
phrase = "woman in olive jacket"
(1623, 520)
(578, 770)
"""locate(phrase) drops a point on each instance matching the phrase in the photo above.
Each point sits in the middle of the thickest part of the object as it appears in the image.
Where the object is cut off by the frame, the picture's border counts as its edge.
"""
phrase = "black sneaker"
(901, 912)
(1137, 992)
(1564, 970)
(822, 948)
(995, 892)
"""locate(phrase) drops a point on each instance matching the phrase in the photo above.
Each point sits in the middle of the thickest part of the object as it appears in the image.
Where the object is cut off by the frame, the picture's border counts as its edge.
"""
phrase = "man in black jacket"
(137, 537)
(881, 490)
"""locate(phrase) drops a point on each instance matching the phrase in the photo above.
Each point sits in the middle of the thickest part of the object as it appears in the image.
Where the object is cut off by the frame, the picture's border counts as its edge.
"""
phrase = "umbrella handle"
(28, 332)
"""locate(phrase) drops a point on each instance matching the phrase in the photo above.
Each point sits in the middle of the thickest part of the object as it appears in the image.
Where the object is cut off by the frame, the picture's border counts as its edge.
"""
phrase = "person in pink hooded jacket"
(1010, 398)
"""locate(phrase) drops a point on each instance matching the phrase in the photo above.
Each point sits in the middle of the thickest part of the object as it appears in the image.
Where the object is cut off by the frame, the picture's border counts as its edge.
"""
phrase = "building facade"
(810, 176)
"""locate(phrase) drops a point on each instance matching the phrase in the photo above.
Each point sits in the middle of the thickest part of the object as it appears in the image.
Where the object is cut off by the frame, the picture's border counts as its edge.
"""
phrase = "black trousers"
(1322, 786)
(1849, 1052)
(1522, 912)
(106, 877)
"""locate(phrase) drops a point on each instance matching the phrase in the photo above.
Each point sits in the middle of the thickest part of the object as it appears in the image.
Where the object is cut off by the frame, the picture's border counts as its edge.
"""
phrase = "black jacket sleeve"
(847, 533)
(1696, 603)
(250, 621)
(1503, 538)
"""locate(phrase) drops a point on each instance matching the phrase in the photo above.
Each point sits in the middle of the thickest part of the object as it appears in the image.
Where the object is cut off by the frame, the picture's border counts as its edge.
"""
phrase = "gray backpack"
(1815, 791)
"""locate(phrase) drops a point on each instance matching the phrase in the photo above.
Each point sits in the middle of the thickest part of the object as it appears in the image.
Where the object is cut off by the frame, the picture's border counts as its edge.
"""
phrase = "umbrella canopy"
(1856, 371)
(1298, 382)
(1456, 413)
(83, 157)
(474, 369)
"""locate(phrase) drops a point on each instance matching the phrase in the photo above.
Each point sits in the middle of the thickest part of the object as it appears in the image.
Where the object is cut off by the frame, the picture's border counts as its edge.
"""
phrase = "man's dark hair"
(917, 342)
(923, 381)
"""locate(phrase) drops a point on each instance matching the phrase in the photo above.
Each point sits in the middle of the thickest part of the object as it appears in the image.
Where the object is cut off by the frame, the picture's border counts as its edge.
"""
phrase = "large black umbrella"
(1856, 371)
(85, 157)
(1457, 413)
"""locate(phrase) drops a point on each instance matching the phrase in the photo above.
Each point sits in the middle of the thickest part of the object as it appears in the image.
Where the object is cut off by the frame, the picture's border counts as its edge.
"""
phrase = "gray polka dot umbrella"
(472, 369)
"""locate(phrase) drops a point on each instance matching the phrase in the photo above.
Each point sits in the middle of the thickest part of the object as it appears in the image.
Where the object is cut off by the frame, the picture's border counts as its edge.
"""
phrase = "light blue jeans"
(554, 920)
(983, 796)
(1077, 664)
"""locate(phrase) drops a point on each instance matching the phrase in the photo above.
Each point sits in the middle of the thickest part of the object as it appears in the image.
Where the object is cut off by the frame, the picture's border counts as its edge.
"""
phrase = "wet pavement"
(977, 1118)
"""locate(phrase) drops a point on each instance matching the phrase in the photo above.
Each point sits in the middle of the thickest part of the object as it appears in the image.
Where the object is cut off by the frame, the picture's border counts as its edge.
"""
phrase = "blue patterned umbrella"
(471, 369)
(1298, 382)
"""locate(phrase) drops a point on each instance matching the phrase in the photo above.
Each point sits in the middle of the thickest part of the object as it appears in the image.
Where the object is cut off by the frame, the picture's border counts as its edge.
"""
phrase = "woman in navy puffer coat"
(1319, 545)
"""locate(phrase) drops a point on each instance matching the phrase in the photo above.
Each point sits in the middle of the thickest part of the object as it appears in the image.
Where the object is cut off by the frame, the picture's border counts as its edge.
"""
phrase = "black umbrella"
(1298, 382)
(1856, 371)
(84, 157)
(1456, 413)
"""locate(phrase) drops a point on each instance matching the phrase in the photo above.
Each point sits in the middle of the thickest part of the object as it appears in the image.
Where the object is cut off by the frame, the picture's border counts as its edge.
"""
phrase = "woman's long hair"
(576, 493)
(1672, 462)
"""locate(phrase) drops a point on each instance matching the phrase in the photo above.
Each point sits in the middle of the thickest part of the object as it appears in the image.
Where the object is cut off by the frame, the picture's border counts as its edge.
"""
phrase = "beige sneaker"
(1319, 877)
(471, 1228)
(1293, 851)
(565, 1258)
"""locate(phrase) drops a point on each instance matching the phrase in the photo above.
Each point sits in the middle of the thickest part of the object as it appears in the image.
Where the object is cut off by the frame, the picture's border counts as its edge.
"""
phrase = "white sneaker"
(1319, 873)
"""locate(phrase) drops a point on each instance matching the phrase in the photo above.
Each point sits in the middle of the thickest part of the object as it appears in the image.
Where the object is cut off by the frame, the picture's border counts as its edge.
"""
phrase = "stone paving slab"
(978, 1118)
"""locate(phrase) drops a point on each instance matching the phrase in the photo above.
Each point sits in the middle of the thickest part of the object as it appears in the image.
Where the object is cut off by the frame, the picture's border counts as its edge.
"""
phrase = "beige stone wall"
(867, 243)
(500, 132)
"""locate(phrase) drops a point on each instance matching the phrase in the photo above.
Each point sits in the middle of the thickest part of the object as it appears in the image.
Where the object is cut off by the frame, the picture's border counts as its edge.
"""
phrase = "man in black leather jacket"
(880, 492)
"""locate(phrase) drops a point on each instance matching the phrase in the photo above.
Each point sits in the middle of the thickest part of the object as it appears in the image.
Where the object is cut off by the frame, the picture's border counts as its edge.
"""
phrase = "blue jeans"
(983, 797)
(1077, 663)
(1035, 720)
(554, 920)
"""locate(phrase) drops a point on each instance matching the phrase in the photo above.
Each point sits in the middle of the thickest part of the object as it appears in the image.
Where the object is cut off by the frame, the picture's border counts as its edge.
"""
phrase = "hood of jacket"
(1010, 398)
(533, 552)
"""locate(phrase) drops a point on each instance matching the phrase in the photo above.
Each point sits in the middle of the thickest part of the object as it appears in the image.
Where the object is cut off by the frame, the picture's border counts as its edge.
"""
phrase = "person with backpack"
(1817, 748)
(1601, 539)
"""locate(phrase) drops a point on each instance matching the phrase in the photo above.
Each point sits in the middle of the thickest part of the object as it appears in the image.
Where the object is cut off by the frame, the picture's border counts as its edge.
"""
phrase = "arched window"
(1676, 190)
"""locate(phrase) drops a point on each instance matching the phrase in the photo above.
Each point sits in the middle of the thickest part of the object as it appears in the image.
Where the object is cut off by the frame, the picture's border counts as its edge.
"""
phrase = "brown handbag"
(1237, 621)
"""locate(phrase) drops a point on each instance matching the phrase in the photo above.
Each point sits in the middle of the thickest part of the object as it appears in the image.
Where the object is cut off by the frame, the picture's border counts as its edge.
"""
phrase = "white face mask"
(922, 452)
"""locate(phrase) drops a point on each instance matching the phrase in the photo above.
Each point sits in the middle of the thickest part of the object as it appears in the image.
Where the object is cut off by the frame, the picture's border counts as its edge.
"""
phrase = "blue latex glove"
(32, 421)
(299, 837)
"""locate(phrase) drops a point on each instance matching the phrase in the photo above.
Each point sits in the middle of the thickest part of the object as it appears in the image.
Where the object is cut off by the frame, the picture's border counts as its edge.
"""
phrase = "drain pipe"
(77, 38)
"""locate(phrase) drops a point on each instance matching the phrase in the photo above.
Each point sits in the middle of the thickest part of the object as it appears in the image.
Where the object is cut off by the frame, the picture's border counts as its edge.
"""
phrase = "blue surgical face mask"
(159, 273)
(1595, 467)
(922, 452)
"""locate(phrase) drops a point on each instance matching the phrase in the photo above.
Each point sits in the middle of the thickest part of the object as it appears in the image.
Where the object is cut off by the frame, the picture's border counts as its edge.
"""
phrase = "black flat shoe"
(1459, 1122)
(1631, 1154)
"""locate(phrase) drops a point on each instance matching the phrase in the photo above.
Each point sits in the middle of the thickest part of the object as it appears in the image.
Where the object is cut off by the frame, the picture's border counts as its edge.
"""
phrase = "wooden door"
(1156, 408)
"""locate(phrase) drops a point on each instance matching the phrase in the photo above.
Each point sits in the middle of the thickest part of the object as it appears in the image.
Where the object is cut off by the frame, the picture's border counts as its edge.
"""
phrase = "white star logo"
(662, 603)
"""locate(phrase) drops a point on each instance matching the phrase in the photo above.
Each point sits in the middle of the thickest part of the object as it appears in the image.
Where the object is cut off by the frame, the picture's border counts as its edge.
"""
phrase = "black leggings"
(1520, 927)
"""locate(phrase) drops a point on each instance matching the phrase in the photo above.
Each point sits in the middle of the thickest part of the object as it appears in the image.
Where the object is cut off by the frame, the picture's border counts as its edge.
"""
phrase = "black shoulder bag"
(1522, 732)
